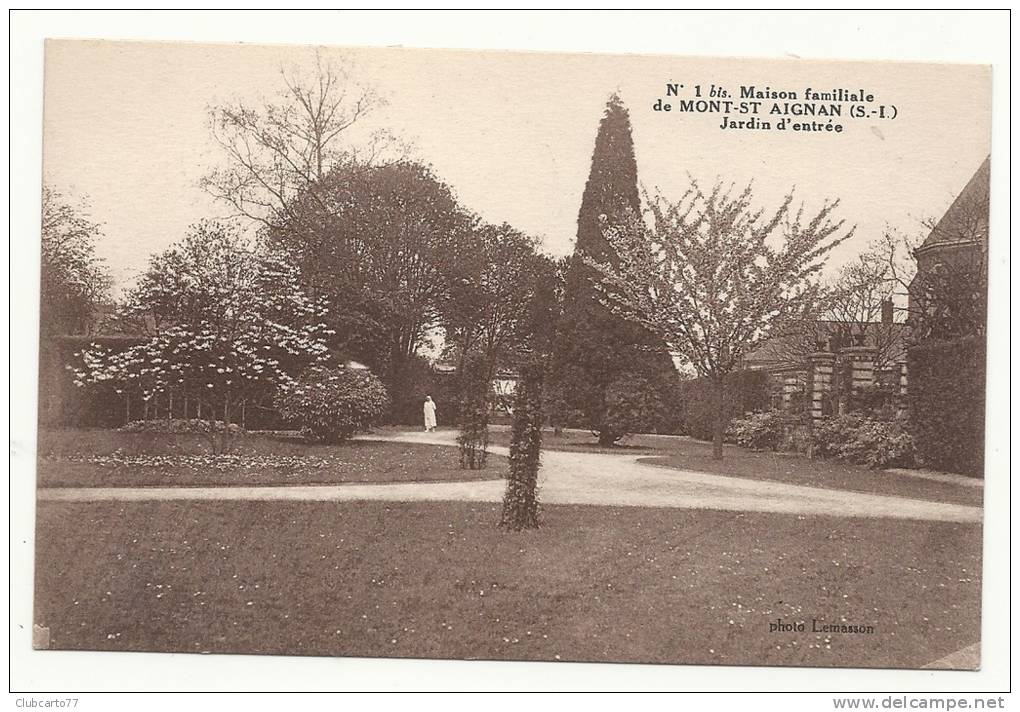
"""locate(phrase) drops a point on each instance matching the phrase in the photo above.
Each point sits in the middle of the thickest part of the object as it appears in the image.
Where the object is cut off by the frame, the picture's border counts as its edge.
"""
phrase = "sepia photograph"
(516, 356)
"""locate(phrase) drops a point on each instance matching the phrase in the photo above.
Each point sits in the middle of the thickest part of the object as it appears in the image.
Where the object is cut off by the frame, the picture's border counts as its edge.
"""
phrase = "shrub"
(331, 404)
(864, 441)
(745, 392)
(946, 393)
(828, 435)
(879, 444)
(760, 431)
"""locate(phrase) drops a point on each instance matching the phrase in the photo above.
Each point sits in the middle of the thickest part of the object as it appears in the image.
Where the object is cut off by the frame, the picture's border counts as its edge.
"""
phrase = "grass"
(105, 458)
(439, 580)
(686, 453)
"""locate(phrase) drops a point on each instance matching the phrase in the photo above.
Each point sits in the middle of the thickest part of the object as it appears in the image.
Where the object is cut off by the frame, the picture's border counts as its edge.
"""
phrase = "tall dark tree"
(596, 348)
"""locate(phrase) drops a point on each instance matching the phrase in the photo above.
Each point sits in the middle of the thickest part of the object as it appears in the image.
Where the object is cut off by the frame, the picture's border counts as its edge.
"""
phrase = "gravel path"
(572, 478)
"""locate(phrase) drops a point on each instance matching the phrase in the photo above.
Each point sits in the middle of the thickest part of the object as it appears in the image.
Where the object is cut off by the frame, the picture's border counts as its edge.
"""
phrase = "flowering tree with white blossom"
(228, 324)
(716, 277)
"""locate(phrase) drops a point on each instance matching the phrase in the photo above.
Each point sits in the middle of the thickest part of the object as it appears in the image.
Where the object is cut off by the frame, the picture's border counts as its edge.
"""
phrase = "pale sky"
(512, 133)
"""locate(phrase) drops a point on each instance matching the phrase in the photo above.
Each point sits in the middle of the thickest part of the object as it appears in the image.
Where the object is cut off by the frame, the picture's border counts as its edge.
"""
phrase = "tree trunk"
(720, 419)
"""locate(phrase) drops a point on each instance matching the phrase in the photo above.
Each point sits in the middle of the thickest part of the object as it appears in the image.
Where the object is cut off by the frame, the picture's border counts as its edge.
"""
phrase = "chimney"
(887, 311)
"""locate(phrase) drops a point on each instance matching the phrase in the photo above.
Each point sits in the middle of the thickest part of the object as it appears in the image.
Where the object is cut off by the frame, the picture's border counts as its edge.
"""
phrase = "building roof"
(966, 220)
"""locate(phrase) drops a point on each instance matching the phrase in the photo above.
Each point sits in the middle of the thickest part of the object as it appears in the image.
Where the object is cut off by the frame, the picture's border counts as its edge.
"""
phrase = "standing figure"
(430, 414)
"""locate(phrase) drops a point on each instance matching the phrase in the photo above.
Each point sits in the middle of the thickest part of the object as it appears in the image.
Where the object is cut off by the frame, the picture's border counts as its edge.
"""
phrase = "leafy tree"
(597, 347)
(230, 325)
(520, 502)
(380, 242)
(287, 146)
(493, 298)
(73, 279)
(715, 278)
(202, 278)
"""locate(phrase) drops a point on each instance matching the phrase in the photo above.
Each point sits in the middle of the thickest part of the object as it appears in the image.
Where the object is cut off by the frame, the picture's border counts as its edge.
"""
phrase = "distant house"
(852, 355)
(887, 338)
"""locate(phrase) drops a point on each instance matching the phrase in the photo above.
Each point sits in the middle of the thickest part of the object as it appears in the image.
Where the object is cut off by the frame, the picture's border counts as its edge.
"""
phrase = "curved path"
(573, 478)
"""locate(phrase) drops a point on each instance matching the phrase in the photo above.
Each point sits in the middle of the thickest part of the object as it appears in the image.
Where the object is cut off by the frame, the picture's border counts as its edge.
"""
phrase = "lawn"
(439, 580)
(106, 458)
(686, 453)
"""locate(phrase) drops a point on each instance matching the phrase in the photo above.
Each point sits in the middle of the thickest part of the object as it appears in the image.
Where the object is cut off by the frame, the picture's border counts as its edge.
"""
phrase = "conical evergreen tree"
(601, 359)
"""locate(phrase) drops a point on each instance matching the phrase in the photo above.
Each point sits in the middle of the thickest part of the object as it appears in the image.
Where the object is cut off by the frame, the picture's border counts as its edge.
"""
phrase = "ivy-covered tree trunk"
(473, 439)
(520, 503)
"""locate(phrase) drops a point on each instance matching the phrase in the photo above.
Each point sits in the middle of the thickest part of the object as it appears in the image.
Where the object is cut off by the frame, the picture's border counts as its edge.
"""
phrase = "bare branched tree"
(285, 147)
(945, 297)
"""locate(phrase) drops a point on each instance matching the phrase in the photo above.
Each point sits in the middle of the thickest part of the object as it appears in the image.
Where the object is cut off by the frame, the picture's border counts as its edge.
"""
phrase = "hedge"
(745, 392)
(946, 393)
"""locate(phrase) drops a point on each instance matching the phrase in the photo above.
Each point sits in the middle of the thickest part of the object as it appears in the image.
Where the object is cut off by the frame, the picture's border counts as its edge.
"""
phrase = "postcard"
(469, 355)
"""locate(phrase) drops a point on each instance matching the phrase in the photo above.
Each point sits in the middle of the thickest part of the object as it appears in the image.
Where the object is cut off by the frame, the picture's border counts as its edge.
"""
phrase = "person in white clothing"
(430, 414)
